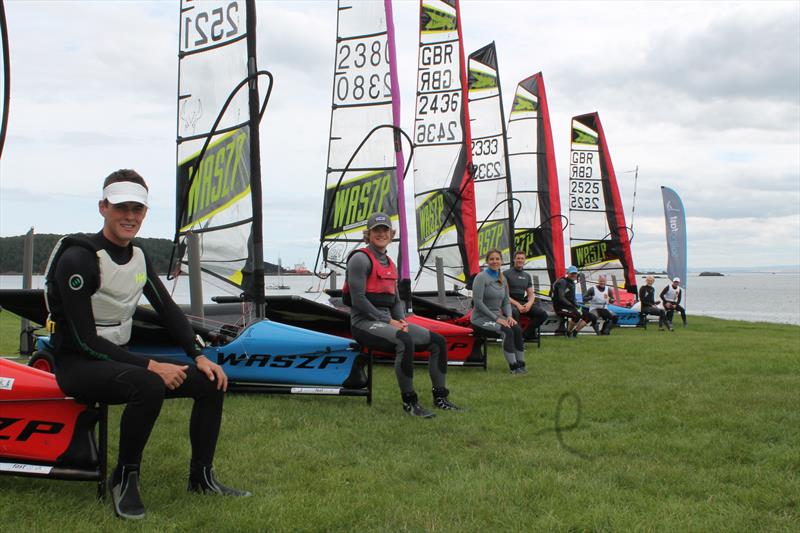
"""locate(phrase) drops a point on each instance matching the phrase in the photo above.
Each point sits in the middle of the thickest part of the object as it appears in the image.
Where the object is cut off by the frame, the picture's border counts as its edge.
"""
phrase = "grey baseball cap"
(379, 219)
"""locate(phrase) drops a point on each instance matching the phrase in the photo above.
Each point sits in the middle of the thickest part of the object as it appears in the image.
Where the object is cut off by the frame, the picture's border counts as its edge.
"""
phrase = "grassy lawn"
(696, 430)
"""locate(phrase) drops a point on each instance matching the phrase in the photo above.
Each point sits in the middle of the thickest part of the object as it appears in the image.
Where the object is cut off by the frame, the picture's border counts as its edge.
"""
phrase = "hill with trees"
(11, 250)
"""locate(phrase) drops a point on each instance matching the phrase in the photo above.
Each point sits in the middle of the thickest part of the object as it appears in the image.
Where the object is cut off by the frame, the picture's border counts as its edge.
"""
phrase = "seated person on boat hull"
(522, 297)
(647, 298)
(492, 311)
(597, 299)
(377, 317)
(566, 305)
(93, 286)
(671, 296)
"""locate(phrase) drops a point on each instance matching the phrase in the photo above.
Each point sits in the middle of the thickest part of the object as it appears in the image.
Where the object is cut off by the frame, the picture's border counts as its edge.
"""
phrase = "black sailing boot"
(202, 480)
(125, 492)
(440, 400)
(412, 407)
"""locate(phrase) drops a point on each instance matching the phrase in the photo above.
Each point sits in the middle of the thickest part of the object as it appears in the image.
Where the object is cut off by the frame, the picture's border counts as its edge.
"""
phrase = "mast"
(259, 296)
(405, 271)
(6, 76)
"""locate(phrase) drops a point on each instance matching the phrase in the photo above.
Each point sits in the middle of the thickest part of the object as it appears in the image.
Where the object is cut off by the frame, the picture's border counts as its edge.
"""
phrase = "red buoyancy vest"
(381, 282)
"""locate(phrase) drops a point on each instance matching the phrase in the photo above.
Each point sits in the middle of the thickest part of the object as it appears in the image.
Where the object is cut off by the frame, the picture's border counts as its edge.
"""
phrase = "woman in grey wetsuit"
(377, 318)
(492, 311)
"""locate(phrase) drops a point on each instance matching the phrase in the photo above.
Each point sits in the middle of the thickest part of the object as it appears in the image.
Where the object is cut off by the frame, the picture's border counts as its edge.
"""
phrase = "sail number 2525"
(202, 28)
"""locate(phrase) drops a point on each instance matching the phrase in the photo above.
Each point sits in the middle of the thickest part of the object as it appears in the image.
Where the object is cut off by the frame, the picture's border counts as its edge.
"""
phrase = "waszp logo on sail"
(222, 176)
(591, 254)
(356, 200)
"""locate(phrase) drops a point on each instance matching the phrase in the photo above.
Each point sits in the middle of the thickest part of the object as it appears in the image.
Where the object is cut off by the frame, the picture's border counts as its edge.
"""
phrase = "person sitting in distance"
(598, 298)
(565, 303)
(671, 296)
(647, 297)
(522, 296)
(491, 311)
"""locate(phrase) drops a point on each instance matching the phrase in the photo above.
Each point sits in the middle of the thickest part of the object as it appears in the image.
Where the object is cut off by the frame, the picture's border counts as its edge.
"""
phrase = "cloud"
(702, 97)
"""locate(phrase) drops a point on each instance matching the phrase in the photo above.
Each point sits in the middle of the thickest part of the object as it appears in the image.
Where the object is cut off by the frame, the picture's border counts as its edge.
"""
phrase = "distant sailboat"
(280, 286)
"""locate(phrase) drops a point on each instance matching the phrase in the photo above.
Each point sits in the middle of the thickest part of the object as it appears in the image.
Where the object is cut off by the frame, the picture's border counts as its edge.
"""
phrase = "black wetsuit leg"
(655, 311)
(143, 391)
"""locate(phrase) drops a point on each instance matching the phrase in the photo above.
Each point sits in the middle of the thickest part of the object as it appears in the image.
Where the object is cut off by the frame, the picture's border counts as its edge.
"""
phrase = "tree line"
(11, 251)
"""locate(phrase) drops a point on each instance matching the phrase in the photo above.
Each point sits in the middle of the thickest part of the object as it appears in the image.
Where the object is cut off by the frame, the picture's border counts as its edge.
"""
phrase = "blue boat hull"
(273, 353)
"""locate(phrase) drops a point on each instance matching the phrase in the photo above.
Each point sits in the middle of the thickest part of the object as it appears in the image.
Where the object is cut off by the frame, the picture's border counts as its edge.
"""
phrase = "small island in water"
(711, 274)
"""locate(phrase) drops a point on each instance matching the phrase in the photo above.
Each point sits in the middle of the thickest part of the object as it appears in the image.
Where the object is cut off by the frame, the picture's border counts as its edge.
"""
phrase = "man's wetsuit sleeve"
(357, 271)
(663, 292)
(77, 277)
(560, 297)
(172, 318)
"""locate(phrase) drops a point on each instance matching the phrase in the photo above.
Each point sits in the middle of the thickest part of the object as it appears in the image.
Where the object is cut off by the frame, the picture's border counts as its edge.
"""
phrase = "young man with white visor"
(94, 283)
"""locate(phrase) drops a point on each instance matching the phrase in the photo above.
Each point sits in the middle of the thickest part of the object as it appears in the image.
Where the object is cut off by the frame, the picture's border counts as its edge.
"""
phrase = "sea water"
(751, 296)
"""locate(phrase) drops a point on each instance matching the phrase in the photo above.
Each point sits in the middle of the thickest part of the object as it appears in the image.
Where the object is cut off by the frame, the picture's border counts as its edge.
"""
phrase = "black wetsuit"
(647, 297)
(91, 368)
(519, 282)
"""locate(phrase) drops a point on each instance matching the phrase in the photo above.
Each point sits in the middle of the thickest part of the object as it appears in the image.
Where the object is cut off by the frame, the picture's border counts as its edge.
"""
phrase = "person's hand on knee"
(172, 375)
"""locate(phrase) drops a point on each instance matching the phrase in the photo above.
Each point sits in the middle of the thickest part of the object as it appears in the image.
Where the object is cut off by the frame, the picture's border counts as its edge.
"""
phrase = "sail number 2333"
(201, 28)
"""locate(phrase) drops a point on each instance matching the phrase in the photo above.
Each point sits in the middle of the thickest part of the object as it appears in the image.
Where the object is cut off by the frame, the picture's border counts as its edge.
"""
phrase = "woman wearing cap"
(93, 285)
(671, 296)
(647, 297)
(377, 318)
(566, 305)
(492, 311)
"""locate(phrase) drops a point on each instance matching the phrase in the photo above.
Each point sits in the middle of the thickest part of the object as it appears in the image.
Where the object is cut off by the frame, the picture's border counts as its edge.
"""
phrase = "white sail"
(534, 182)
(356, 187)
(217, 206)
(443, 187)
(599, 242)
(489, 153)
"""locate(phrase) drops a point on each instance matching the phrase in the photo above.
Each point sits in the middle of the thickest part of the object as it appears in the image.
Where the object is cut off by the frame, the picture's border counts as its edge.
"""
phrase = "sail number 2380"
(202, 27)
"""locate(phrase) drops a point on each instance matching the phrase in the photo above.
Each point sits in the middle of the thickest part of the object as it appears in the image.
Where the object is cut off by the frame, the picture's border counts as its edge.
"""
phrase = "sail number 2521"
(201, 28)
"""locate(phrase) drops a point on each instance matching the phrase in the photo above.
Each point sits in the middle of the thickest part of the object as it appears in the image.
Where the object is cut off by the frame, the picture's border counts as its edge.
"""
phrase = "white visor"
(676, 279)
(125, 191)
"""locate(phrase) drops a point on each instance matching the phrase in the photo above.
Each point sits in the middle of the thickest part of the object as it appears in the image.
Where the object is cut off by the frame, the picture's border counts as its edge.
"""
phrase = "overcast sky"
(702, 97)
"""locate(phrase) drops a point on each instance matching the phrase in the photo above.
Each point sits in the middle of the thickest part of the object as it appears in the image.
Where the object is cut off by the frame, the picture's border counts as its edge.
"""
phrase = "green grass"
(695, 430)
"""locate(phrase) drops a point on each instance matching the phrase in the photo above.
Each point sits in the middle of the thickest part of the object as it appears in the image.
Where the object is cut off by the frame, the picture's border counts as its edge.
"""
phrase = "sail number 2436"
(201, 28)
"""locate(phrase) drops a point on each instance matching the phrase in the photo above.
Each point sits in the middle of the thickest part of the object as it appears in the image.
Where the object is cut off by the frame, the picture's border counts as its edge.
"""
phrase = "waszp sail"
(599, 242)
(534, 182)
(217, 146)
(362, 174)
(493, 205)
(443, 187)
